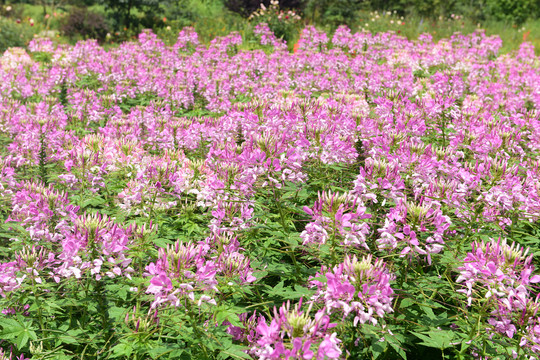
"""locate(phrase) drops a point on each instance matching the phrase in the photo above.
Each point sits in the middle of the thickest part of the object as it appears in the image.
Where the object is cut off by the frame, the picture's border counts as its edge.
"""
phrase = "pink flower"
(308, 336)
(361, 288)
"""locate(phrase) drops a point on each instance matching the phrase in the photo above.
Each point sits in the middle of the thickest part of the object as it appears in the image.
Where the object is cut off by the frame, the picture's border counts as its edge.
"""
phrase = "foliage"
(13, 34)
(124, 13)
(248, 7)
(86, 24)
(284, 24)
(13, 11)
(515, 12)
(188, 12)
(512, 11)
(334, 13)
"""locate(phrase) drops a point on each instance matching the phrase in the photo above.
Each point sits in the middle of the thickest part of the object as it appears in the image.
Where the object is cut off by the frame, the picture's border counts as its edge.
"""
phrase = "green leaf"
(287, 292)
(439, 339)
(161, 242)
(378, 348)
(321, 278)
(224, 313)
(122, 350)
(172, 350)
(117, 313)
(21, 331)
(71, 336)
(395, 341)
(235, 352)
(11, 226)
(94, 202)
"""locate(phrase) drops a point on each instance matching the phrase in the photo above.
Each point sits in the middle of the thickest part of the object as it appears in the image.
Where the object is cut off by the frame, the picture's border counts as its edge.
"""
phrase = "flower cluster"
(187, 272)
(312, 39)
(294, 334)
(357, 287)
(274, 10)
(414, 229)
(337, 216)
(281, 22)
(501, 275)
(143, 198)
(43, 210)
(15, 57)
(267, 37)
(41, 45)
(186, 38)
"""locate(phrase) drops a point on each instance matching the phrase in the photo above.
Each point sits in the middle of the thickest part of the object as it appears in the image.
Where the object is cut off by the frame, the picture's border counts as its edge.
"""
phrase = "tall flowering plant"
(283, 23)
(499, 278)
(360, 288)
(268, 38)
(414, 229)
(337, 219)
(294, 334)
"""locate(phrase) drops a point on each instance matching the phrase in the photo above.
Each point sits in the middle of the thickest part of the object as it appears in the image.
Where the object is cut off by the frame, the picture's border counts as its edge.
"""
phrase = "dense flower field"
(363, 197)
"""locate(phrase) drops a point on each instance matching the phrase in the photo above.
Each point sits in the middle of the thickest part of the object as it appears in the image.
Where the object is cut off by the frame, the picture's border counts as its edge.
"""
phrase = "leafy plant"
(284, 24)
(86, 24)
(13, 34)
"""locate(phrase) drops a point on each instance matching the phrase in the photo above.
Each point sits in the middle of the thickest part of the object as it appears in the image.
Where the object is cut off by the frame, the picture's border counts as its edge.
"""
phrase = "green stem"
(40, 312)
(198, 333)
(286, 230)
(443, 126)
(103, 308)
(333, 247)
(42, 160)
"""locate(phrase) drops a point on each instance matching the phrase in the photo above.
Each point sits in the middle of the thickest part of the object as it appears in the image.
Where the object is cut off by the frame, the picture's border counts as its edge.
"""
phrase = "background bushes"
(247, 7)
(124, 19)
(344, 11)
(86, 24)
(13, 34)
(513, 11)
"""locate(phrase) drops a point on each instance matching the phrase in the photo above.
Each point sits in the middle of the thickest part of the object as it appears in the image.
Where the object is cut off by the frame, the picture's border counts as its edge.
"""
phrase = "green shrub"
(512, 11)
(189, 11)
(13, 34)
(247, 7)
(433, 8)
(284, 24)
(14, 11)
(135, 14)
(86, 24)
(334, 12)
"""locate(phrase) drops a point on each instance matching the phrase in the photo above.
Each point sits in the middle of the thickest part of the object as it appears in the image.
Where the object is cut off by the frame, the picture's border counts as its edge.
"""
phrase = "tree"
(123, 10)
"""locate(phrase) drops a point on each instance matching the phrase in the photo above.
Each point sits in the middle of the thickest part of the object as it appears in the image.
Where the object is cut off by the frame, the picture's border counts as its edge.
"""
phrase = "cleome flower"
(355, 287)
(338, 215)
(294, 334)
(500, 276)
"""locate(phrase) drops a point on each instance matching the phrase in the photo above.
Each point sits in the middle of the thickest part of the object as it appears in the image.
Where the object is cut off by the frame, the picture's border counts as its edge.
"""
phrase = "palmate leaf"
(18, 330)
(122, 350)
(439, 339)
(234, 352)
(225, 313)
(288, 292)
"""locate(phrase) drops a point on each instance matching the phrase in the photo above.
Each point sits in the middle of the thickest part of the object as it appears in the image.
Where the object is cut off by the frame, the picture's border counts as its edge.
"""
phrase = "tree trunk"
(128, 14)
